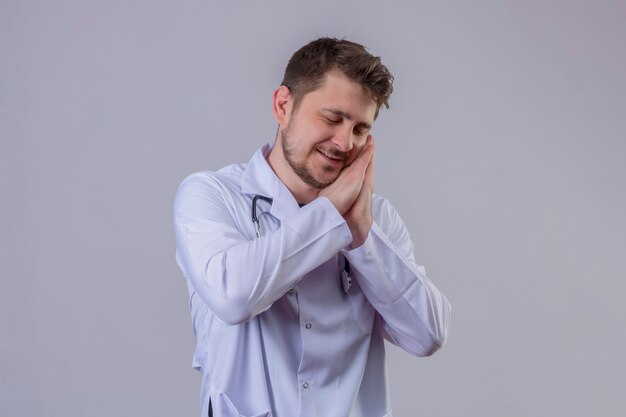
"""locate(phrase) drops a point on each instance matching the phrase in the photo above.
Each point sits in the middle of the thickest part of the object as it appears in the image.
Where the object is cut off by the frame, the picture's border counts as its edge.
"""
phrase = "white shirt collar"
(258, 178)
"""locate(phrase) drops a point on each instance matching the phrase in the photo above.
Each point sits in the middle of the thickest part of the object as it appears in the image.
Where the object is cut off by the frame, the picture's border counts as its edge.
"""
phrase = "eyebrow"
(345, 116)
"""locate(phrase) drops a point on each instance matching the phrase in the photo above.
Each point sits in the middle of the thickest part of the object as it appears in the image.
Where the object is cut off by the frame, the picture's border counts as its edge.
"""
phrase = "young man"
(291, 308)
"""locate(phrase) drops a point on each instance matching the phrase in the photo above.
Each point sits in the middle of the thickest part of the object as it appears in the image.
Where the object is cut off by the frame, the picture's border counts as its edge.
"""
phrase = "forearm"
(239, 278)
(415, 313)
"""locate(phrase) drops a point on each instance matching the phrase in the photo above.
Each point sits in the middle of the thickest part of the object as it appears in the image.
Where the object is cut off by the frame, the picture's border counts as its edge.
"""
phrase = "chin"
(327, 180)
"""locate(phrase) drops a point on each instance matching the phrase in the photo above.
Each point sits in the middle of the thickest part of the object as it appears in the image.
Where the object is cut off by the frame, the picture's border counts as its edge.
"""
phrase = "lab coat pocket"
(362, 309)
(227, 408)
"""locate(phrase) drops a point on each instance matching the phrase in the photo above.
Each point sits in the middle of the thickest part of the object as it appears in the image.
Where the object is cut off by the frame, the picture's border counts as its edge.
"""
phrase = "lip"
(330, 159)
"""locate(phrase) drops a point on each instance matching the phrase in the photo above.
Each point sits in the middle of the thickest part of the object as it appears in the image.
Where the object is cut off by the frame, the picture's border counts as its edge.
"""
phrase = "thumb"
(362, 162)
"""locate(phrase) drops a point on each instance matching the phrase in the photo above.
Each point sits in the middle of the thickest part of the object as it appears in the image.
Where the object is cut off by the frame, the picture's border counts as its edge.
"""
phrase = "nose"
(344, 139)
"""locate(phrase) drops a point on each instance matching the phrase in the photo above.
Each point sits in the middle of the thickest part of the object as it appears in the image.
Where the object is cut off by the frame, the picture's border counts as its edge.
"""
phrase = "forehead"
(342, 94)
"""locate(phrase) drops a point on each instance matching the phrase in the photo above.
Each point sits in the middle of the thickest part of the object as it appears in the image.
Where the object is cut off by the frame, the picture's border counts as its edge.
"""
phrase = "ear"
(281, 104)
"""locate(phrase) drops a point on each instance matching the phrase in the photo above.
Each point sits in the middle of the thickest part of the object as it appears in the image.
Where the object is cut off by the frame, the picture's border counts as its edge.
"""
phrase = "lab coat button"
(305, 385)
(308, 325)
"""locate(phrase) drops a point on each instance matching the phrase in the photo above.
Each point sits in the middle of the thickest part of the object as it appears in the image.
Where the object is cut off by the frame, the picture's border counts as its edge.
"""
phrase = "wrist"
(359, 234)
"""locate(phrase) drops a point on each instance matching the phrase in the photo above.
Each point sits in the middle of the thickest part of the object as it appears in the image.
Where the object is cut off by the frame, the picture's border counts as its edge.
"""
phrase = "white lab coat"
(277, 335)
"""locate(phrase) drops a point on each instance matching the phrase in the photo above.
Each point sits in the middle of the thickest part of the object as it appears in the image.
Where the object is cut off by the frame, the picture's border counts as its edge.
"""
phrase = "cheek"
(358, 147)
(321, 130)
(354, 153)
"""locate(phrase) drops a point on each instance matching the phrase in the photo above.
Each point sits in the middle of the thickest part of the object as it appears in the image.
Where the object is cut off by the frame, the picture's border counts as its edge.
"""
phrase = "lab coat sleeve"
(415, 314)
(238, 278)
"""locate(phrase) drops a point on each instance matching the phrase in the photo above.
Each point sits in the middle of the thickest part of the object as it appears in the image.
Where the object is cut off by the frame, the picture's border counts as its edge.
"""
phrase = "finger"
(361, 163)
(369, 171)
(364, 150)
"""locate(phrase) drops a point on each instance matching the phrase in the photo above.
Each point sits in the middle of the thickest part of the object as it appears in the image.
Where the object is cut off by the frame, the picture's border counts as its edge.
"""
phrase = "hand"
(351, 193)
(359, 216)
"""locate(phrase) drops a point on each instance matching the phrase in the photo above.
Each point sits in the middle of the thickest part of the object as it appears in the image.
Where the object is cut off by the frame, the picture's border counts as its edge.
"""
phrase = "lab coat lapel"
(258, 178)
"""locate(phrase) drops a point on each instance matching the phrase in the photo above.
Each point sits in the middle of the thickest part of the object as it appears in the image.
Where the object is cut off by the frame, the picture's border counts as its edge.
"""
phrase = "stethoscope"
(255, 219)
(346, 277)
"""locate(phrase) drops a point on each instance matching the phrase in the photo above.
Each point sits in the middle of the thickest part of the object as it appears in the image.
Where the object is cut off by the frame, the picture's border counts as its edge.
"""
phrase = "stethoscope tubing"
(346, 276)
(255, 219)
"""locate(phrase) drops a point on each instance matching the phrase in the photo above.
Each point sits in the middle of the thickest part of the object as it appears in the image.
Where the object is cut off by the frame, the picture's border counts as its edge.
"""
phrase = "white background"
(504, 151)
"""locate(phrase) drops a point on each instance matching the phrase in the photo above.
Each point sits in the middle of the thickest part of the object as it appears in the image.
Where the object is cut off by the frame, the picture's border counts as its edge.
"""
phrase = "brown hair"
(308, 66)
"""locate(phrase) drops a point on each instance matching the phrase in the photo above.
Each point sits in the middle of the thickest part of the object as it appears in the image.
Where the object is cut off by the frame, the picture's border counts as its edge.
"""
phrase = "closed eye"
(360, 130)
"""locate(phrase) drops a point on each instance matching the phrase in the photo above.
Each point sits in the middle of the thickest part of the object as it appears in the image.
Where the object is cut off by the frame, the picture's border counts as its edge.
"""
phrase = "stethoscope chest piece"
(346, 281)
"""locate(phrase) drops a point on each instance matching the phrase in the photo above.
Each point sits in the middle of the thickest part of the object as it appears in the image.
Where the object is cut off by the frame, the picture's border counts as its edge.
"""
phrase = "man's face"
(328, 130)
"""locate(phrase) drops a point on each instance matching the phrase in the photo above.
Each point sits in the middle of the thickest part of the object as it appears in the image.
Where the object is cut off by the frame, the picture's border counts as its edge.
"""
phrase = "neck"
(303, 193)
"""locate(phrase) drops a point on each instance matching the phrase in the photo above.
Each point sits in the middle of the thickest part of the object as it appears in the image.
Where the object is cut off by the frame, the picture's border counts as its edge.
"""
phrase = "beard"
(300, 168)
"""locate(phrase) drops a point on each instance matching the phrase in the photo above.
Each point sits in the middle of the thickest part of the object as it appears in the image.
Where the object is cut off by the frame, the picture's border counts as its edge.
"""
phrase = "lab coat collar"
(258, 178)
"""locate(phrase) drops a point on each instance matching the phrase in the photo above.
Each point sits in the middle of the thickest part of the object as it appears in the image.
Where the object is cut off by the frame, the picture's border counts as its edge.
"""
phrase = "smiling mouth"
(334, 159)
